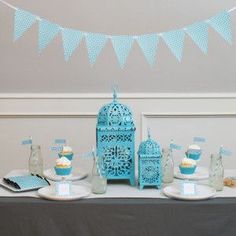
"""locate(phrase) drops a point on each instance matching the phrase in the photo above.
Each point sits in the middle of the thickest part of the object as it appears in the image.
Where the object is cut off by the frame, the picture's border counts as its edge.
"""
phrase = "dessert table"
(123, 210)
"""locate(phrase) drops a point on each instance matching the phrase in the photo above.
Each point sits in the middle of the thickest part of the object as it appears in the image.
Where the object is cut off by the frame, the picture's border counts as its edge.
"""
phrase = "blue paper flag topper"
(60, 141)
(27, 141)
(225, 152)
(199, 139)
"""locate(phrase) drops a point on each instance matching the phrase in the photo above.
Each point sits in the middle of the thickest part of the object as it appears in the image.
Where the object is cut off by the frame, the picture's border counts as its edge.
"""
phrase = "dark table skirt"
(121, 217)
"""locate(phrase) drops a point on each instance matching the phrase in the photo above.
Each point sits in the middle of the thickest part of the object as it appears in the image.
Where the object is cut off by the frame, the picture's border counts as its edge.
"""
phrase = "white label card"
(188, 188)
(63, 188)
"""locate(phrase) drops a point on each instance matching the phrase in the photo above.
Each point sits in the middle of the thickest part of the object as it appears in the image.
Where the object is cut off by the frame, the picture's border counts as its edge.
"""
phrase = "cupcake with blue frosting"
(187, 166)
(63, 166)
(66, 152)
(194, 152)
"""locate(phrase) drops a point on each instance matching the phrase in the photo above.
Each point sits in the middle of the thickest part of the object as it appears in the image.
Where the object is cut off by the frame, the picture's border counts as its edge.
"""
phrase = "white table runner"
(120, 190)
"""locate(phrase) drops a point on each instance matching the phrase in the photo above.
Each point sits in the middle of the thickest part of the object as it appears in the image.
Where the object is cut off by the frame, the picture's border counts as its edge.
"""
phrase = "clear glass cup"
(216, 172)
(36, 161)
(99, 181)
(167, 166)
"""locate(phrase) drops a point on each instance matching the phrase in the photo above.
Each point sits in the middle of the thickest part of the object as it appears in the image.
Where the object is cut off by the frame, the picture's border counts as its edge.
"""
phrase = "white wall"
(73, 116)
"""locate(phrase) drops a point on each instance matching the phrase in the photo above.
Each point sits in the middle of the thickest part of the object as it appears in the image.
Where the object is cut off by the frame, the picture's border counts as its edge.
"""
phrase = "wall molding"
(147, 115)
(49, 115)
(121, 95)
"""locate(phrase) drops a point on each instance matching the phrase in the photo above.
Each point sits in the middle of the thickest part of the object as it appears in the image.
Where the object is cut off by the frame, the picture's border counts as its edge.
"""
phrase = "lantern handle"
(149, 133)
(114, 93)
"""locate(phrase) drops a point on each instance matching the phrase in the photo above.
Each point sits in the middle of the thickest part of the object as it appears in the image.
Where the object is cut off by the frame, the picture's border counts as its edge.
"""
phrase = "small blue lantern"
(149, 154)
(115, 141)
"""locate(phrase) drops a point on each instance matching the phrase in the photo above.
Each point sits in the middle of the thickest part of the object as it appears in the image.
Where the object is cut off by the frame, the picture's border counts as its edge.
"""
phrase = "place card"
(63, 188)
(188, 188)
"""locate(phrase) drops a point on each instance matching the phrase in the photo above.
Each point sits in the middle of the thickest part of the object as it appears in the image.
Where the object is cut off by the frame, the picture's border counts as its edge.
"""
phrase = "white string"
(232, 9)
(8, 4)
(108, 36)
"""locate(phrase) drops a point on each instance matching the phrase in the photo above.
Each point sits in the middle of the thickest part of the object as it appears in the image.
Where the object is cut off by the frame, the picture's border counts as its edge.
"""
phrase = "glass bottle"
(99, 181)
(36, 161)
(167, 166)
(216, 172)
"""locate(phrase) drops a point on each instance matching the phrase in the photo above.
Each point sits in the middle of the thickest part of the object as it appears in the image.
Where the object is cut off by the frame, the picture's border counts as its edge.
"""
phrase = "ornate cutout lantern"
(149, 163)
(115, 140)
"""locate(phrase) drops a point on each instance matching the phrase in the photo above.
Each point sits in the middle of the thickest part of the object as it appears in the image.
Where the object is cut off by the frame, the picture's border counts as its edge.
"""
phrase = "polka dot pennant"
(175, 41)
(222, 24)
(47, 32)
(148, 44)
(71, 40)
(95, 44)
(23, 21)
(122, 46)
(199, 34)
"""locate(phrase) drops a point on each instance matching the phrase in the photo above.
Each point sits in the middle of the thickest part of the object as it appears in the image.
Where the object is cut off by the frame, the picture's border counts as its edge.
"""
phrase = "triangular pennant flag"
(175, 41)
(23, 21)
(47, 32)
(122, 45)
(71, 39)
(95, 44)
(222, 24)
(148, 44)
(199, 34)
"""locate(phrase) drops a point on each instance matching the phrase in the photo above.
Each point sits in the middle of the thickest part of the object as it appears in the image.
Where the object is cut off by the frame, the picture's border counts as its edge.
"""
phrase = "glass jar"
(167, 166)
(99, 181)
(216, 172)
(36, 161)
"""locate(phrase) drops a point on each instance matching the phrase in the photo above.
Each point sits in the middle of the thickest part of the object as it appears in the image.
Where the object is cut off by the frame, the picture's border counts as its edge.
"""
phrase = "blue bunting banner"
(95, 44)
(148, 44)
(122, 44)
(71, 40)
(199, 34)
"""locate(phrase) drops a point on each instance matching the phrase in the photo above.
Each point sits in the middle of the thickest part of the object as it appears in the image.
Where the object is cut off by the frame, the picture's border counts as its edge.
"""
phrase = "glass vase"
(167, 166)
(36, 161)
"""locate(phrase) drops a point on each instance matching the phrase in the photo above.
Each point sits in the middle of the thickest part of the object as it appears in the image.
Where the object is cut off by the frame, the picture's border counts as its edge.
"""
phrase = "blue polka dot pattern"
(23, 21)
(95, 44)
(199, 34)
(148, 44)
(71, 40)
(222, 24)
(122, 46)
(175, 41)
(47, 32)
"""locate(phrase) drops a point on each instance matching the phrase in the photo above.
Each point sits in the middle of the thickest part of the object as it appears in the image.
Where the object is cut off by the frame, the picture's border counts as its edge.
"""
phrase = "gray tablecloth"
(30, 216)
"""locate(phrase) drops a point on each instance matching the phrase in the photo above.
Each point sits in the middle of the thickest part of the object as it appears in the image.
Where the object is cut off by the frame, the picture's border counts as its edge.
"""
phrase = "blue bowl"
(193, 155)
(69, 156)
(63, 171)
(187, 170)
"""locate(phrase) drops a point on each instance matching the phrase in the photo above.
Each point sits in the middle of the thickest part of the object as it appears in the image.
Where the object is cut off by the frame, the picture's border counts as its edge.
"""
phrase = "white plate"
(77, 192)
(199, 174)
(75, 175)
(202, 192)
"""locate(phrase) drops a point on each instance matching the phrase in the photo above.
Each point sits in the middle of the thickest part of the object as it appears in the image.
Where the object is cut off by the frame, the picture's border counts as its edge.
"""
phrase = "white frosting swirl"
(63, 161)
(66, 149)
(194, 147)
(188, 162)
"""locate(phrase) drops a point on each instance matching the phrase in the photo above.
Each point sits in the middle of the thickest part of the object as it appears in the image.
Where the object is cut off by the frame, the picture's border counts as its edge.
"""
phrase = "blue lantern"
(149, 154)
(115, 141)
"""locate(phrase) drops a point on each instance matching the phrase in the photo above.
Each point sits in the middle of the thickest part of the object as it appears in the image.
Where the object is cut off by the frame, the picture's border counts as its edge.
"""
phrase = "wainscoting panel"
(73, 116)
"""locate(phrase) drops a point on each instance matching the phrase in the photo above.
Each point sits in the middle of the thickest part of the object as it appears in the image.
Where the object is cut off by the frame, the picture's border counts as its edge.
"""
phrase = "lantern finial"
(149, 134)
(114, 93)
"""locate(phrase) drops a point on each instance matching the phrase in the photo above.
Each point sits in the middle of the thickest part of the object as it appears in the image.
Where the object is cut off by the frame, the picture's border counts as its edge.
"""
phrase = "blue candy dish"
(187, 170)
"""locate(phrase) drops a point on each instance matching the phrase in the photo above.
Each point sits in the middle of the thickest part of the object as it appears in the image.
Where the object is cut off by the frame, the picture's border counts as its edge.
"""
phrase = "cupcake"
(66, 152)
(194, 152)
(187, 166)
(63, 166)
